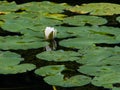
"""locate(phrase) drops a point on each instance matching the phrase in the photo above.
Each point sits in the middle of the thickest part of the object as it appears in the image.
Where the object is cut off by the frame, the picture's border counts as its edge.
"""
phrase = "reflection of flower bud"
(50, 33)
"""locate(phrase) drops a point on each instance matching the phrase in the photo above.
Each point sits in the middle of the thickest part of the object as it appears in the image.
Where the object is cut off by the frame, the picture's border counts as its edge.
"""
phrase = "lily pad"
(93, 31)
(7, 6)
(10, 63)
(17, 68)
(21, 42)
(10, 57)
(58, 56)
(87, 42)
(96, 56)
(81, 20)
(74, 81)
(16, 16)
(107, 80)
(98, 70)
(15, 25)
(44, 6)
(20, 23)
(96, 9)
(50, 70)
(63, 32)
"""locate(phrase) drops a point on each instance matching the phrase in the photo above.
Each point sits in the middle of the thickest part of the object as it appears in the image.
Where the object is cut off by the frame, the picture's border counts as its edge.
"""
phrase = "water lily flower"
(50, 33)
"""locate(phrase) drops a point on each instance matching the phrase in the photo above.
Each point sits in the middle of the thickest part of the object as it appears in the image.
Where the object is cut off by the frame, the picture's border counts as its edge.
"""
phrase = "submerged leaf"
(59, 56)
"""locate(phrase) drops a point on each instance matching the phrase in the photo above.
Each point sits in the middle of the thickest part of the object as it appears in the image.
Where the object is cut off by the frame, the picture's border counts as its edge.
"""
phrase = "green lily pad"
(15, 25)
(96, 9)
(17, 16)
(20, 23)
(63, 32)
(74, 81)
(58, 56)
(107, 80)
(17, 68)
(17, 42)
(96, 56)
(81, 20)
(44, 6)
(10, 63)
(7, 6)
(50, 70)
(87, 42)
(10, 57)
(98, 70)
(93, 31)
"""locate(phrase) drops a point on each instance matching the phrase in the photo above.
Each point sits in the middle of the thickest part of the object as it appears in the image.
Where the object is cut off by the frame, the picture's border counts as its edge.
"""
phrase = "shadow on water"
(30, 81)
(25, 81)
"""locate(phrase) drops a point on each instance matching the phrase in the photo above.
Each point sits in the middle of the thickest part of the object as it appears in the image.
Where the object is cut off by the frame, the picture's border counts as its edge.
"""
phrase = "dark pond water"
(29, 81)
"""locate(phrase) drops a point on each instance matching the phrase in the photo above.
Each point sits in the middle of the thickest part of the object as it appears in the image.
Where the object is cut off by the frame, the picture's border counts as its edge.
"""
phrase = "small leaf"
(50, 70)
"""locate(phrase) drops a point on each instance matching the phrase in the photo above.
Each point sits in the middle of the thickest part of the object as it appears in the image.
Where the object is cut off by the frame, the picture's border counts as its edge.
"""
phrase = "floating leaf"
(10, 63)
(17, 68)
(58, 56)
(50, 70)
(97, 9)
(17, 16)
(10, 57)
(87, 42)
(81, 20)
(96, 56)
(98, 70)
(20, 23)
(93, 31)
(107, 80)
(60, 80)
(17, 42)
(15, 25)
(63, 32)
(7, 6)
(44, 7)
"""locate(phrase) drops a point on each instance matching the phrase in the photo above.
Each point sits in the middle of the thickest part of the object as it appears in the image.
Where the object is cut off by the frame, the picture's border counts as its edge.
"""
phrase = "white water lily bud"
(50, 33)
